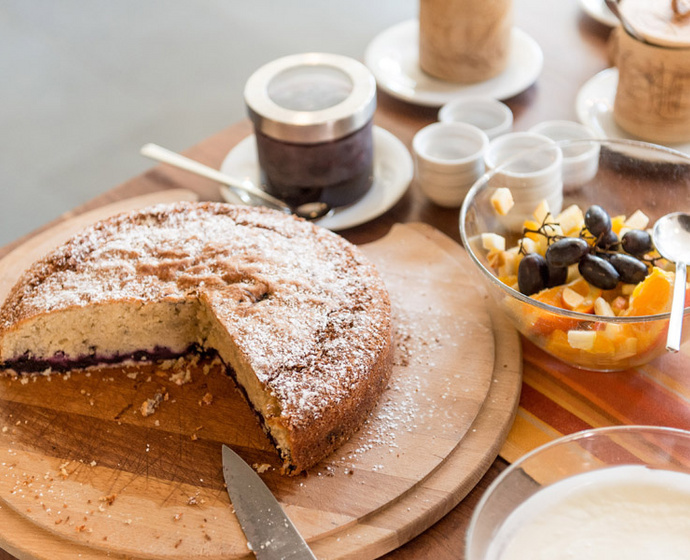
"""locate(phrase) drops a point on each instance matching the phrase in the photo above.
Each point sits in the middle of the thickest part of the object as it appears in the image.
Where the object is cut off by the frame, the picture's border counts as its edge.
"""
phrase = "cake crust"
(300, 316)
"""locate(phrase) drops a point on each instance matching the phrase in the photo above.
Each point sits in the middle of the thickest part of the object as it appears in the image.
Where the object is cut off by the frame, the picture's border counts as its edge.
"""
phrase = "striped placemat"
(557, 400)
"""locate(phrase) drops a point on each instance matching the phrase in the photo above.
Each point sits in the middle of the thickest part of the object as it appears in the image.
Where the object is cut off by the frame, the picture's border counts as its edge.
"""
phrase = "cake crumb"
(195, 500)
(149, 406)
(261, 468)
(207, 399)
(181, 377)
(108, 499)
(63, 469)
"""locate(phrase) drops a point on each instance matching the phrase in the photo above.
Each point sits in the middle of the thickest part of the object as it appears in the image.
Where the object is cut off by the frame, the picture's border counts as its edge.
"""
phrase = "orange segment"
(617, 223)
(545, 323)
(603, 345)
(554, 296)
(532, 225)
(508, 279)
(652, 295)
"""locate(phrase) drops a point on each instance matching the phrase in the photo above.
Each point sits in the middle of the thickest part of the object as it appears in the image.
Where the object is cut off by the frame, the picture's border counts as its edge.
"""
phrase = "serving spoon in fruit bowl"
(247, 191)
(672, 239)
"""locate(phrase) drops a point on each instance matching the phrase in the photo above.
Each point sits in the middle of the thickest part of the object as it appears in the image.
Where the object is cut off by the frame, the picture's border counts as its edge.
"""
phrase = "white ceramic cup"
(581, 159)
(531, 166)
(448, 160)
(490, 115)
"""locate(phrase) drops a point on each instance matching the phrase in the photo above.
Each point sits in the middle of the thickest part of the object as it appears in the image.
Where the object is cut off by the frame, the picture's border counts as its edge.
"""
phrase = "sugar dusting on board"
(406, 411)
(405, 407)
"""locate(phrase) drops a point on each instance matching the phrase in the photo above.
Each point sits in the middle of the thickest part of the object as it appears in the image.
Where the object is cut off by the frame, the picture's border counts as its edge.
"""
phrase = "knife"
(269, 531)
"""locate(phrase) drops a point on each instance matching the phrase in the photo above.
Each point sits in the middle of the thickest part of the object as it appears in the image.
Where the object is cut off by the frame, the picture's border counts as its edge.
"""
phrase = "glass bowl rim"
(589, 317)
(575, 436)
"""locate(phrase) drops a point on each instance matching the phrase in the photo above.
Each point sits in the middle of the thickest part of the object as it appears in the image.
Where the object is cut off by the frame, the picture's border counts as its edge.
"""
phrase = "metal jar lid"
(311, 97)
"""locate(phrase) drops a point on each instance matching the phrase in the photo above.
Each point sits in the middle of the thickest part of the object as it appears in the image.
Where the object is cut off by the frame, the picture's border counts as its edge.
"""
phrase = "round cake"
(298, 315)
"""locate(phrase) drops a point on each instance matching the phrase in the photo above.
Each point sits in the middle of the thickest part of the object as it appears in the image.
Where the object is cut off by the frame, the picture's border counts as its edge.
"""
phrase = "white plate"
(393, 58)
(598, 10)
(393, 171)
(594, 107)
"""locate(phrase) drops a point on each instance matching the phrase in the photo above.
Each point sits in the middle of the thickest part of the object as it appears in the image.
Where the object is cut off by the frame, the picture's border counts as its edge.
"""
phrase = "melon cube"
(582, 340)
(502, 201)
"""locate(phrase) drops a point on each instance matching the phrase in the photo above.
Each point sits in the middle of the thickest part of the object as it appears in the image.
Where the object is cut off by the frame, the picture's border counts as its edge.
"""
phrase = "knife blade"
(270, 533)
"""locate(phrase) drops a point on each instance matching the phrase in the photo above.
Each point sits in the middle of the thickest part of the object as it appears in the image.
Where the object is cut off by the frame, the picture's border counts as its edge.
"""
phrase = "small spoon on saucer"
(672, 239)
(248, 192)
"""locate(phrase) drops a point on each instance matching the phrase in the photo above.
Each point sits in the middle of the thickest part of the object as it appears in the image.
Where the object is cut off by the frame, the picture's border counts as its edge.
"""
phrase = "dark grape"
(598, 272)
(597, 220)
(630, 269)
(566, 251)
(637, 242)
(533, 274)
(608, 240)
(557, 275)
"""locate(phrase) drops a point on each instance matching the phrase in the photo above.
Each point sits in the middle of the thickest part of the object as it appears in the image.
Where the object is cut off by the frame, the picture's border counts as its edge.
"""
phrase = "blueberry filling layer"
(61, 363)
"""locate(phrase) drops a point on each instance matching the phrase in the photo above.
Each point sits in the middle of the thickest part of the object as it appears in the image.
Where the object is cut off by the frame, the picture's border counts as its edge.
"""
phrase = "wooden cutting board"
(84, 472)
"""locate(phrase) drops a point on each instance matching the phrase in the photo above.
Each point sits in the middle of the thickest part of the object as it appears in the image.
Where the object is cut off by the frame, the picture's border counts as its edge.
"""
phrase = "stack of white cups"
(449, 158)
(449, 154)
(530, 165)
(580, 157)
(491, 115)
(474, 134)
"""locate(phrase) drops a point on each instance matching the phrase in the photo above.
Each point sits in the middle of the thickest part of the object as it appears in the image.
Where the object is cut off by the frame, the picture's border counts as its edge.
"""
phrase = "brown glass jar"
(312, 116)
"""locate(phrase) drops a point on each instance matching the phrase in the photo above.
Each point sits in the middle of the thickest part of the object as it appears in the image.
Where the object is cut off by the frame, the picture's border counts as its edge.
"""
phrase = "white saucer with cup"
(449, 158)
(530, 165)
(490, 115)
(580, 159)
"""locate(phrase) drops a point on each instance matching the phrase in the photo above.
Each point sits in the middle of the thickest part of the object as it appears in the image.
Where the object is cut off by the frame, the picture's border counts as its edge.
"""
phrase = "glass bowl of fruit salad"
(583, 281)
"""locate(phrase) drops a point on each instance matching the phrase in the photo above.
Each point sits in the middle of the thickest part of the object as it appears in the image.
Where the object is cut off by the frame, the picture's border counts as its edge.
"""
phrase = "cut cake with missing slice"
(299, 315)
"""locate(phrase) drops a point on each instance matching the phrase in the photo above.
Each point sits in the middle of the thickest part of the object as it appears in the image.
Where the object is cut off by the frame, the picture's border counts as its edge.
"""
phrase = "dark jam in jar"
(339, 172)
(313, 116)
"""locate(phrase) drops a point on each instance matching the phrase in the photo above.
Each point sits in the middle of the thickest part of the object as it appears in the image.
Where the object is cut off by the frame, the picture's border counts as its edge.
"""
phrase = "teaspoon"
(615, 10)
(672, 240)
(249, 193)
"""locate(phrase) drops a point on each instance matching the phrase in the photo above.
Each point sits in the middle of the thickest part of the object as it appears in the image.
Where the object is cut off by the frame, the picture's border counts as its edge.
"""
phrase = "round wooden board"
(86, 474)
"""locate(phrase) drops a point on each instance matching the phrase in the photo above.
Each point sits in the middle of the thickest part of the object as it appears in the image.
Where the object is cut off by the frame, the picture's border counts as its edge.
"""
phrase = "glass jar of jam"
(312, 116)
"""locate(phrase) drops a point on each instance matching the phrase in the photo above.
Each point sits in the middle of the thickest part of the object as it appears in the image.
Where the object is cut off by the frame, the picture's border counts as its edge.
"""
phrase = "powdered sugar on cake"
(303, 306)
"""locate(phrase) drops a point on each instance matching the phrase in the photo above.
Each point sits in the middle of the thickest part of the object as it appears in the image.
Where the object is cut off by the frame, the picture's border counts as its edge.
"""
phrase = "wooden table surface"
(575, 49)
